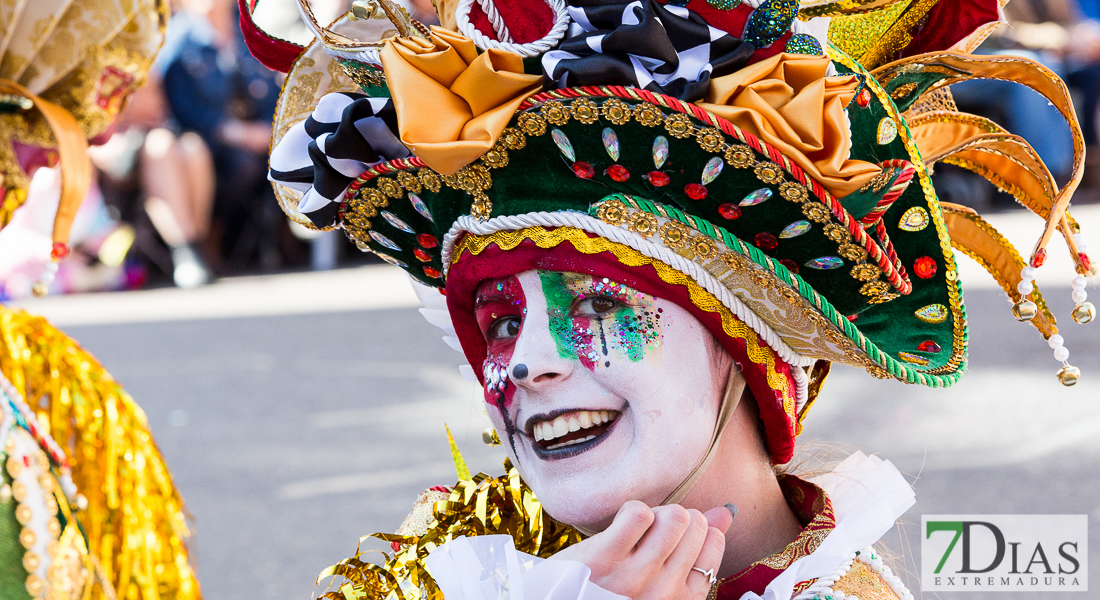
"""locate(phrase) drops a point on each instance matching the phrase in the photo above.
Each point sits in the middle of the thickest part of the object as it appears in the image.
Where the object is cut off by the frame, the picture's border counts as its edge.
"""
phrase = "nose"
(537, 352)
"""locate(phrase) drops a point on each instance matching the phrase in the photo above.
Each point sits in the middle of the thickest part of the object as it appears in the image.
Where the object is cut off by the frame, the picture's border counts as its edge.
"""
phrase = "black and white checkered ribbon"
(320, 156)
(660, 48)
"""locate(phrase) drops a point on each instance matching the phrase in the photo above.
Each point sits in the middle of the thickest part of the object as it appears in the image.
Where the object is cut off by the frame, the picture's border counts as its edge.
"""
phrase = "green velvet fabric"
(13, 577)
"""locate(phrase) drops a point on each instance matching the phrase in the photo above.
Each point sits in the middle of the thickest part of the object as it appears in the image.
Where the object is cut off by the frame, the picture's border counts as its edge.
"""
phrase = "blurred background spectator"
(182, 192)
(1064, 35)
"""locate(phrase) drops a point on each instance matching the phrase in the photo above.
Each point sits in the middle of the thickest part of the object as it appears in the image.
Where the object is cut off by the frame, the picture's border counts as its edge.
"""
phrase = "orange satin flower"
(452, 103)
(788, 101)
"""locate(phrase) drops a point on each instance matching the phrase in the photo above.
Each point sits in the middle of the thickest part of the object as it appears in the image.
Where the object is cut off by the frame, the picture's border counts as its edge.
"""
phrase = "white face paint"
(621, 391)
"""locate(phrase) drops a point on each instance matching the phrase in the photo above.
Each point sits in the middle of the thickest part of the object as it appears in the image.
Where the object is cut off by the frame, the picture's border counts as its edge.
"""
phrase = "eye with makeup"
(595, 306)
(504, 328)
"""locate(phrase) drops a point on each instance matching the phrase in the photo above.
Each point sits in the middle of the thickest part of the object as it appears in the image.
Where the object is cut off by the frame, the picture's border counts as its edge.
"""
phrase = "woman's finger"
(631, 523)
(709, 559)
(721, 518)
(686, 553)
(669, 525)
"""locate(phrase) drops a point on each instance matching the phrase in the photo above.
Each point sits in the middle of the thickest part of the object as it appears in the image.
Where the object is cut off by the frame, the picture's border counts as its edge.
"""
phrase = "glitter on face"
(595, 319)
(499, 307)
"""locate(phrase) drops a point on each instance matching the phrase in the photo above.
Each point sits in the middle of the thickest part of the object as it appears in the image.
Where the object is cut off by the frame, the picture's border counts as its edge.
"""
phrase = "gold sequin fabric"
(862, 582)
(135, 522)
(422, 515)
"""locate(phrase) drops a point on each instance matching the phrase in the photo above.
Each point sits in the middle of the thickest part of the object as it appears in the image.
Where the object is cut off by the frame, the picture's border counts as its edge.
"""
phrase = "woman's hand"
(648, 553)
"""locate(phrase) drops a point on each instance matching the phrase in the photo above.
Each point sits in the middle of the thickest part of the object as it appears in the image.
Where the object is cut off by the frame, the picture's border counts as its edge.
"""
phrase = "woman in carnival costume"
(87, 505)
(652, 226)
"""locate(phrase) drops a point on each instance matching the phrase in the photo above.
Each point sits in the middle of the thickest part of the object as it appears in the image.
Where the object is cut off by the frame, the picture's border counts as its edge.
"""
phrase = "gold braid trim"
(135, 523)
(731, 325)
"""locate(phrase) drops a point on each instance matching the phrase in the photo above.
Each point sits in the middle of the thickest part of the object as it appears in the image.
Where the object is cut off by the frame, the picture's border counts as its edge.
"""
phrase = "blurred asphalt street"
(294, 421)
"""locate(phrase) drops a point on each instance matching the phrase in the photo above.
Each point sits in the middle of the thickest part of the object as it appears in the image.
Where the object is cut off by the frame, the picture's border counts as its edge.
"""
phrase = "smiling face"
(601, 393)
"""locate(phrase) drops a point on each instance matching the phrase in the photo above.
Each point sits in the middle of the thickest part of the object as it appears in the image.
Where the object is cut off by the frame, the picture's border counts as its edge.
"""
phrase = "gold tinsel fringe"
(482, 505)
(135, 523)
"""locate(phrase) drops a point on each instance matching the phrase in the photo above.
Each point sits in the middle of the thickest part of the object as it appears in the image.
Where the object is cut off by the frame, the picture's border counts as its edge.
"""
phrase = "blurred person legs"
(178, 180)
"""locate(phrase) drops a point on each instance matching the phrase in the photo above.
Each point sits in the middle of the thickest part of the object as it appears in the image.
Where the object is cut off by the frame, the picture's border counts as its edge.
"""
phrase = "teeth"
(560, 427)
(565, 424)
(564, 444)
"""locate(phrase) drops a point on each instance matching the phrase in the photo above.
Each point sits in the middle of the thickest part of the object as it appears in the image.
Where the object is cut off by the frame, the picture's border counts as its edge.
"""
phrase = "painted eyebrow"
(492, 295)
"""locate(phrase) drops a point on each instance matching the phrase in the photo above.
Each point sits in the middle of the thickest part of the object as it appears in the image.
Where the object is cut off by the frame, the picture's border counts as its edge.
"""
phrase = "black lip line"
(575, 449)
(529, 426)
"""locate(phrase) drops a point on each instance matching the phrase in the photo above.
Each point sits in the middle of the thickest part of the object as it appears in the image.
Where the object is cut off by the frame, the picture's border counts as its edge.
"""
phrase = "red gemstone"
(765, 241)
(790, 264)
(925, 267)
(618, 173)
(421, 255)
(729, 211)
(657, 178)
(853, 318)
(695, 191)
(929, 346)
(1039, 258)
(59, 251)
(427, 240)
(1085, 262)
(864, 98)
(583, 170)
(434, 273)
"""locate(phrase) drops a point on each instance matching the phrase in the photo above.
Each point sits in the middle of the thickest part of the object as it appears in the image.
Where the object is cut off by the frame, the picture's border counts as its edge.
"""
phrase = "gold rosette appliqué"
(482, 505)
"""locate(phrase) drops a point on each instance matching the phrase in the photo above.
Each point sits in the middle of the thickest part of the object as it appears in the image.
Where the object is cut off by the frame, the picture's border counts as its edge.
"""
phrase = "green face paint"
(589, 317)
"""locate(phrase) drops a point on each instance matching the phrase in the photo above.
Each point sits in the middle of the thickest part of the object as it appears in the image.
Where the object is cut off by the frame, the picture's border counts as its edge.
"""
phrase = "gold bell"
(1024, 310)
(40, 289)
(490, 437)
(1069, 375)
(1084, 313)
(363, 9)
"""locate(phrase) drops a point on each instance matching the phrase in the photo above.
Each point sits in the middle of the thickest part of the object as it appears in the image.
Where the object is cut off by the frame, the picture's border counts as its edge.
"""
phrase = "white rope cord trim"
(369, 56)
(504, 41)
(801, 386)
(823, 586)
(646, 247)
(497, 21)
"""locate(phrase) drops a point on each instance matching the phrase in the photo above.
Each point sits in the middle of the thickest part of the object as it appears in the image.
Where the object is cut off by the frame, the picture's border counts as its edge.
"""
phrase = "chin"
(592, 509)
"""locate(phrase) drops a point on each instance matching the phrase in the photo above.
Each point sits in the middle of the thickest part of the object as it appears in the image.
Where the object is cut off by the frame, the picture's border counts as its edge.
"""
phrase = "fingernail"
(732, 508)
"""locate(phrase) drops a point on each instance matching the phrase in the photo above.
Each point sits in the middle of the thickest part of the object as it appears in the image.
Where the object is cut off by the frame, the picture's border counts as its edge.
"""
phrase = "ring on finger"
(709, 574)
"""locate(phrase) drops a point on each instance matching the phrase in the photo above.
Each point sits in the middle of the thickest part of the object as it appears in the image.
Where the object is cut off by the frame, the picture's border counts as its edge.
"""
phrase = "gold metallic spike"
(461, 469)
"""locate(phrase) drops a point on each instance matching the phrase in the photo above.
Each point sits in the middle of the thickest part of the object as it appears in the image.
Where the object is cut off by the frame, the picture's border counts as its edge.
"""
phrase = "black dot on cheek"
(607, 363)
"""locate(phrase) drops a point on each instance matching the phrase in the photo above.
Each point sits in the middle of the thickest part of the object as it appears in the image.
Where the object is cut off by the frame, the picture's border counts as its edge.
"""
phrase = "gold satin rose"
(788, 101)
(453, 103)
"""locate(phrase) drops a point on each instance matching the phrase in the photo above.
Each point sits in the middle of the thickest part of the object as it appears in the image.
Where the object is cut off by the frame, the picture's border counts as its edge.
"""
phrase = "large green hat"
(783, 187)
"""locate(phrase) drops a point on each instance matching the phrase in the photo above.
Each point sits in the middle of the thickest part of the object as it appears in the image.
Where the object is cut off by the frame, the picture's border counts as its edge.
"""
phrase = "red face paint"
(499, 308)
